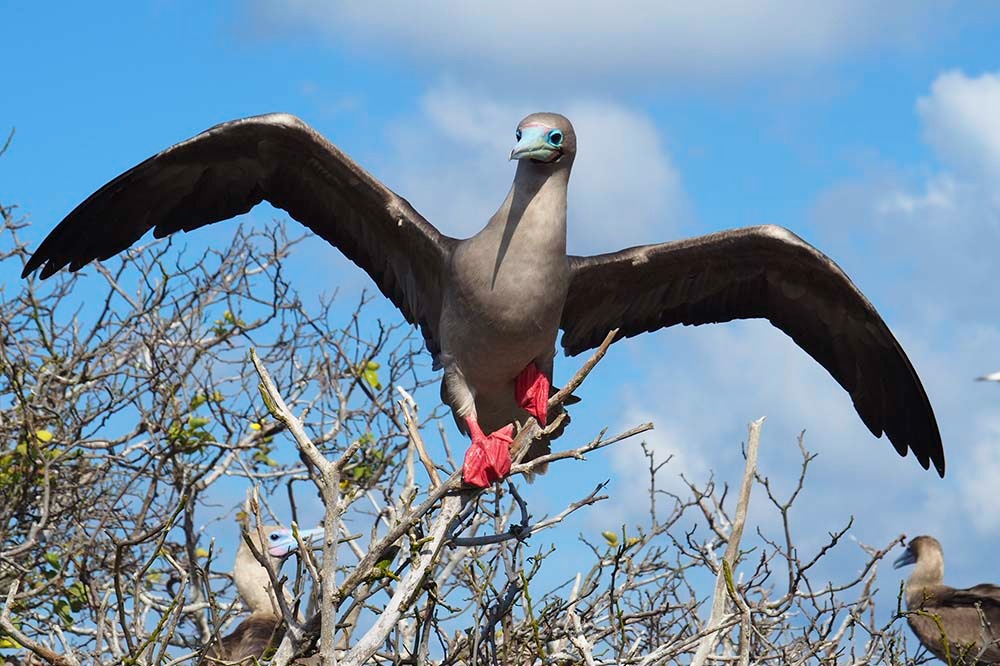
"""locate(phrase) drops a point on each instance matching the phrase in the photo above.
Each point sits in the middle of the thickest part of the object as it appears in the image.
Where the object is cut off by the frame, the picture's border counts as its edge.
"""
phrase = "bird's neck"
(927, 574)
(253, 583)
(534, 210)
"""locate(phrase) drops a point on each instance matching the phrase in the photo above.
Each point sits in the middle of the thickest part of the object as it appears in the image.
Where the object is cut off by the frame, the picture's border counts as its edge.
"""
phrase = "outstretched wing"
(229, 169)
(759, 272)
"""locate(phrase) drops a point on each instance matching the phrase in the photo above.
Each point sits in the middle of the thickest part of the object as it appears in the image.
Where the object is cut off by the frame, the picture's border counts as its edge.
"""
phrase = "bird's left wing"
(759, 272)
(230, 168)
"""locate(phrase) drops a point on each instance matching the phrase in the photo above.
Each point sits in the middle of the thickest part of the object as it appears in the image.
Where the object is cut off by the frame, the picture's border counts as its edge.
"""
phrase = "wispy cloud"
(615, 44)
(961, 121)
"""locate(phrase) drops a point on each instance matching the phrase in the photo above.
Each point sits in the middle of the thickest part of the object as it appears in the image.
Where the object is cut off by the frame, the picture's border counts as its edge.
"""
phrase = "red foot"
(488, 458)
(531, 390)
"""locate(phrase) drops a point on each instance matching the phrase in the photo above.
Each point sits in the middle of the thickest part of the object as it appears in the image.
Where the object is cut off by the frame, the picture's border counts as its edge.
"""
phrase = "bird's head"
(545, 138)
(919, 547)
(280, 542)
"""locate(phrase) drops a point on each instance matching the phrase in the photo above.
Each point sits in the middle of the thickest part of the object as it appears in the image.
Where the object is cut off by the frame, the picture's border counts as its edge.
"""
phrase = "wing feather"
(759, 272)
(230, 168)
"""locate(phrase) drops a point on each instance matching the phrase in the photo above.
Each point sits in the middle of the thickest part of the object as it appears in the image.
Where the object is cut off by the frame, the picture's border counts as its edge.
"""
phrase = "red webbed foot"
(488, 457)
(531, 390)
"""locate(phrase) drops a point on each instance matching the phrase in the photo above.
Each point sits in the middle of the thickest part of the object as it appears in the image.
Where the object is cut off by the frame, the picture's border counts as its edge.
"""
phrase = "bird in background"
(252, 636)
(491, 306)
(959, 626)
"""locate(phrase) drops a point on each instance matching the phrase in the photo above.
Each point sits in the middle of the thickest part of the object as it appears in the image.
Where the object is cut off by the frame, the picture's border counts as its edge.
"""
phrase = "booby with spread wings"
(491, 306)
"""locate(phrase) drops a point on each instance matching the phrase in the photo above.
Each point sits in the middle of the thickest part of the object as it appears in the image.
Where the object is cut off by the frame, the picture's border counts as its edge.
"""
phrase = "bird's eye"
(274, 536)
(556, 138)
(517, 135)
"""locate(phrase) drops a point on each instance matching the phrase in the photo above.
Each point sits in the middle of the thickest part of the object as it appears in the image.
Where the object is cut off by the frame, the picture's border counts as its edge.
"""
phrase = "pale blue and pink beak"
(538, 142)
(281, 542)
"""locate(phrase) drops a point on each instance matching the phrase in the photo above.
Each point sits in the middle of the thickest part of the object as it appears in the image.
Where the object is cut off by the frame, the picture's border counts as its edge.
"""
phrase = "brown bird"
(491, 306)
(959, 626)
(252, 636)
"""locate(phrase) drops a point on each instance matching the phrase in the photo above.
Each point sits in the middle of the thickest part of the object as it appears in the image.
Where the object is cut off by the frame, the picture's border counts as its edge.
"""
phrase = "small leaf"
(52, 559)
(611, 538)
(255, 426)
(63, 610)
(370, 373)
(43, 436)
(201, 552)
(7, 643)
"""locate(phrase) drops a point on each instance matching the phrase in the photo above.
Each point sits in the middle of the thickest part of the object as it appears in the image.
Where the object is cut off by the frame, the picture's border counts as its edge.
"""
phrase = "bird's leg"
(531, 390)
(488, 457)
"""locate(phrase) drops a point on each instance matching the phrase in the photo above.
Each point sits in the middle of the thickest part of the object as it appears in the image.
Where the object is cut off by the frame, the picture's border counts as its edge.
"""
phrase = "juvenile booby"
(490, 306)
(961, 627)
(252, 636)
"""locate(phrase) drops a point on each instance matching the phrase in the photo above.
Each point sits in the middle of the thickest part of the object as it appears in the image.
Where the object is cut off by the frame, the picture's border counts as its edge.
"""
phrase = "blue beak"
(282, 542)
(534, 144)
(906, 559)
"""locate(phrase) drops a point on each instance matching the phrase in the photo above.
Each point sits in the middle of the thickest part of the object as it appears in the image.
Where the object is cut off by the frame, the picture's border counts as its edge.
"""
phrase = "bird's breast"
(497, 319)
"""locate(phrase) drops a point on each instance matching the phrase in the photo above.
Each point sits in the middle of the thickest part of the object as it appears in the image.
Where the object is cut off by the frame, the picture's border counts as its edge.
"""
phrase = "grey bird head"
(918, 546)
(251, 578)
(545, 139)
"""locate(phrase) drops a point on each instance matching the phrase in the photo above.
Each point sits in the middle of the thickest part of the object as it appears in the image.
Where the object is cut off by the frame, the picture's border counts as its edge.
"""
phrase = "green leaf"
(43, 436)
(611, 538)
(76, 594)
(195, 422)
(53, 559)
(63, 610)
(370, 374)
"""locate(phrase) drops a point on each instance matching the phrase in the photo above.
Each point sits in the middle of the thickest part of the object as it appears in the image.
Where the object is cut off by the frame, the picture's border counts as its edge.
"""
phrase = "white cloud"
(611, 43)
(451, 163)
(961, 118)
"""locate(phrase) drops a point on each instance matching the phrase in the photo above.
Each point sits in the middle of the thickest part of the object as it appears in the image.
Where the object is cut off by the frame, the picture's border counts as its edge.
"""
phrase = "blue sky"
(870, 129)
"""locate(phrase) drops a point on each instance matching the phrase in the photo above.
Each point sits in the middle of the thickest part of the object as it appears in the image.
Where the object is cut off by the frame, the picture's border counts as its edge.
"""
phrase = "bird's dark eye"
(556, 138)
(274, 536)
(517, 135)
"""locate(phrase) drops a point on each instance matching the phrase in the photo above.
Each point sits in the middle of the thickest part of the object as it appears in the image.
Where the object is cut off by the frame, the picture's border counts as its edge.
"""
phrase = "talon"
(531, 390)
(488, 457)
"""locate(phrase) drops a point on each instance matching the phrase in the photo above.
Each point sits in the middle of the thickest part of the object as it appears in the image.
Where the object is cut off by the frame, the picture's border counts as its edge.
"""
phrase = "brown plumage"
(491, 304)
(957, 625)
(252, 636)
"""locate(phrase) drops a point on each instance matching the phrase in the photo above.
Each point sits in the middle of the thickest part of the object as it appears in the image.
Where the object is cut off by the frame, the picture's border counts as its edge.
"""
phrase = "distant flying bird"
(992, 377)
(490, 307)
(252, 636)
(958, 626)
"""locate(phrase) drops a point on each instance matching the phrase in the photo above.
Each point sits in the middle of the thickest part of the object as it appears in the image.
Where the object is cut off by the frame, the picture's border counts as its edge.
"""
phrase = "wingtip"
(33, 263)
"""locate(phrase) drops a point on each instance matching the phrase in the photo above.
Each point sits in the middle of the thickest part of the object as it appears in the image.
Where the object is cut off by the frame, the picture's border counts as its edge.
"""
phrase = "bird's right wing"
(229, 169)
(759, 272)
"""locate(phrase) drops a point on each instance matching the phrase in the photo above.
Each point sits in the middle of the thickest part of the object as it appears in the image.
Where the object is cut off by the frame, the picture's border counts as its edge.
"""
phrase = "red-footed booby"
(252, 636)
(490, 306)
(959, 626)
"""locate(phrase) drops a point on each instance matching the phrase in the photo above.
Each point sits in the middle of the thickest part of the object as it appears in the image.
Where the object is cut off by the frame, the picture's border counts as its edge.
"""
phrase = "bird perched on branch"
(490, 306)
(252, 636)
(960, 626)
